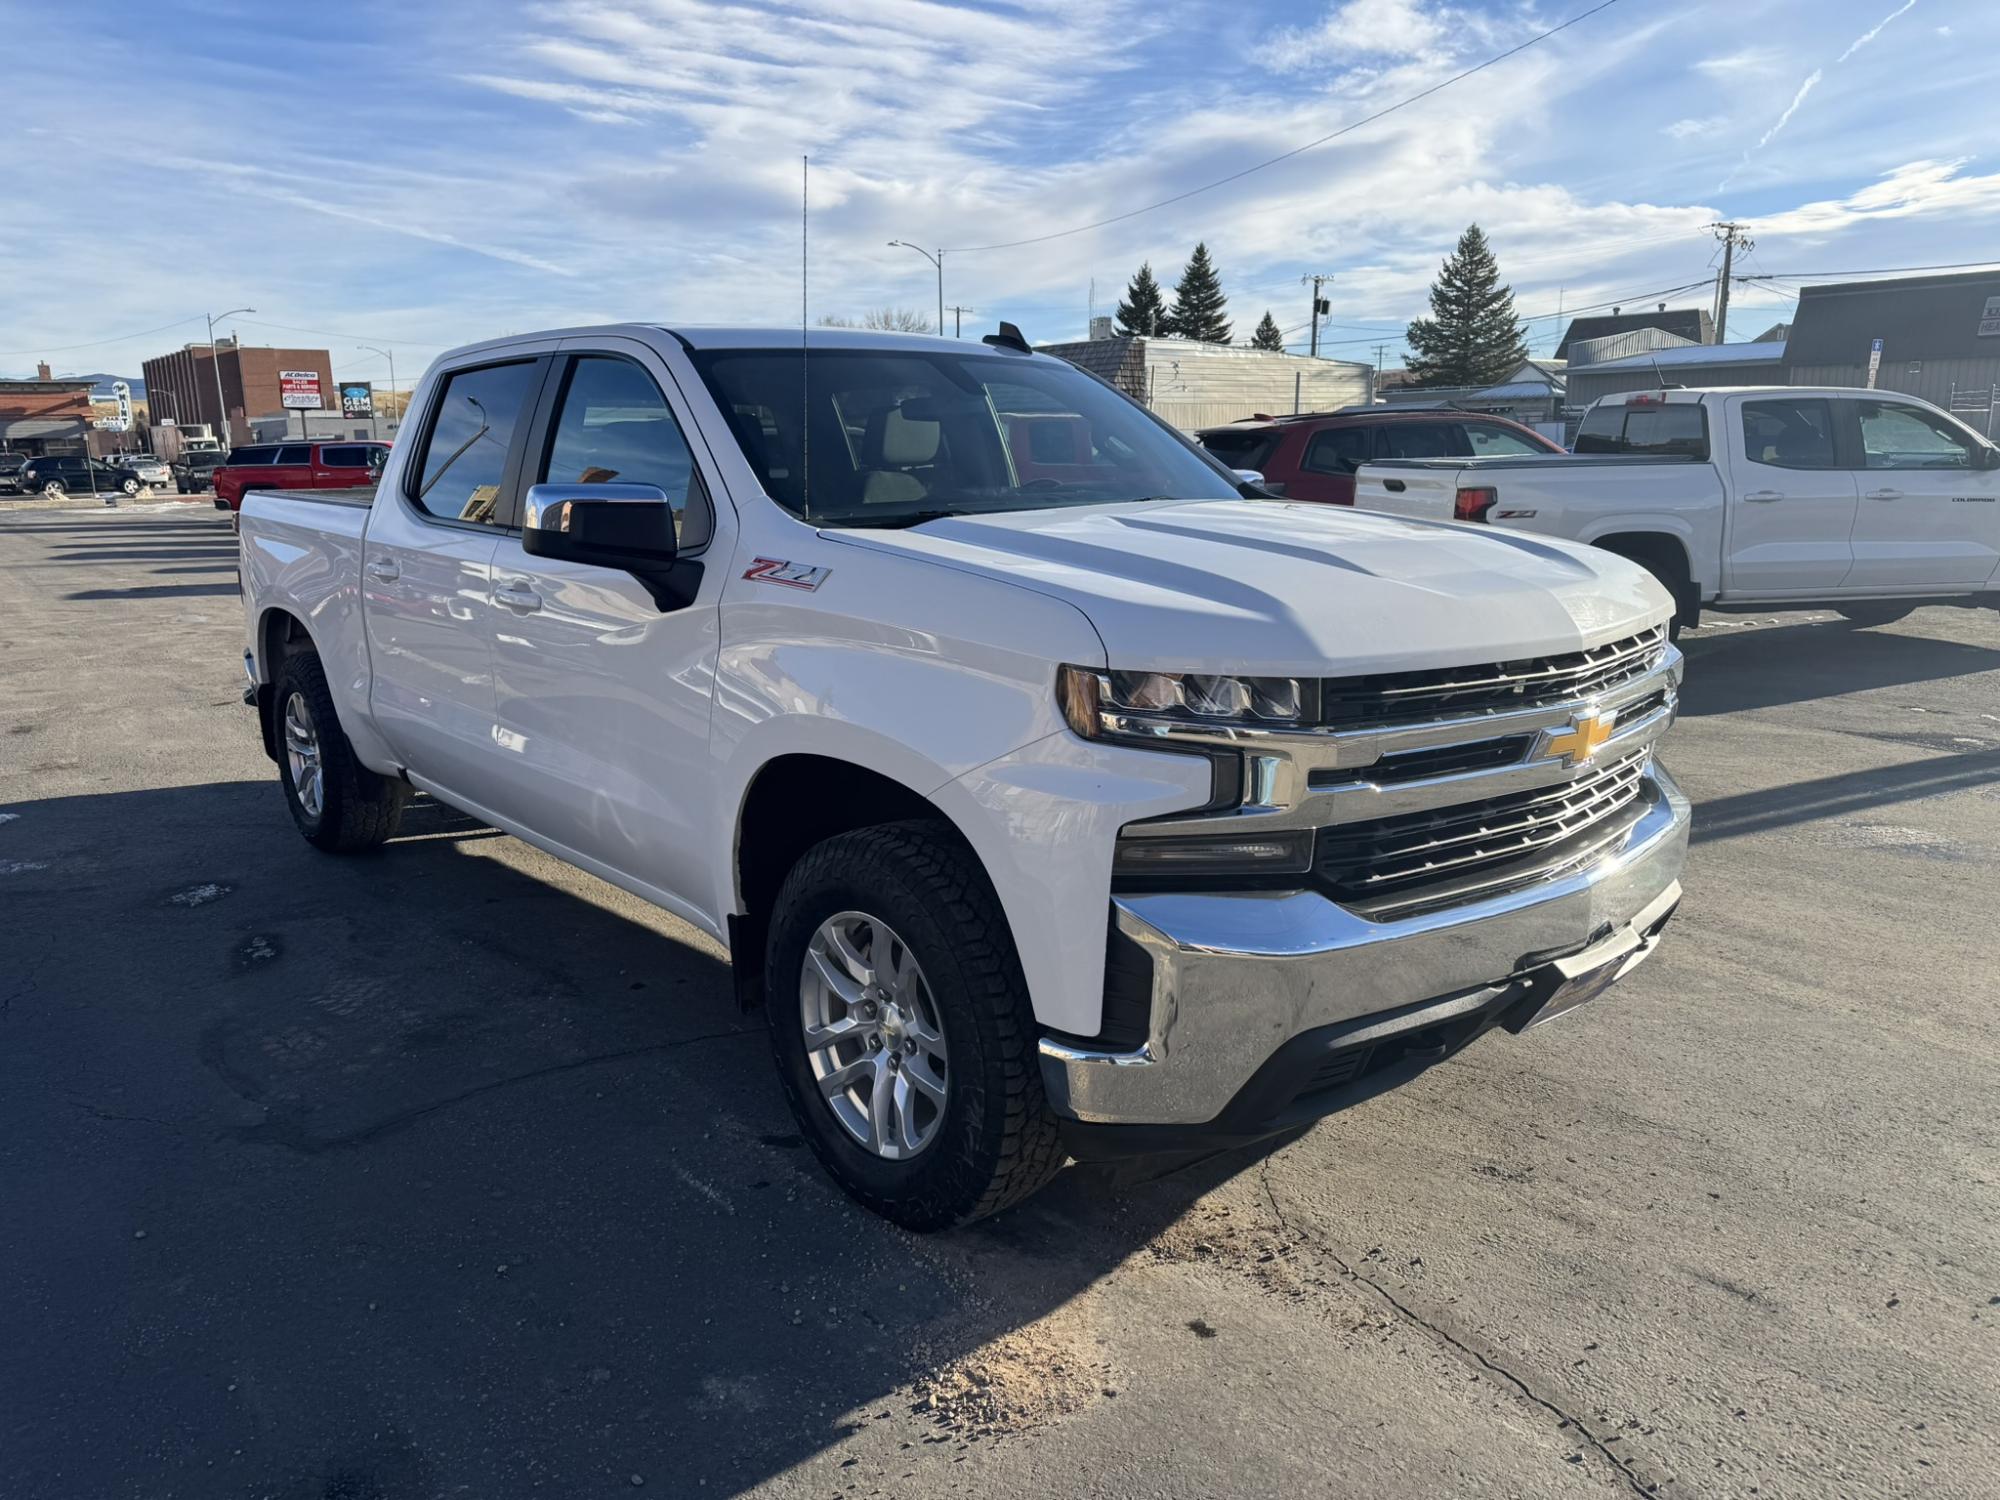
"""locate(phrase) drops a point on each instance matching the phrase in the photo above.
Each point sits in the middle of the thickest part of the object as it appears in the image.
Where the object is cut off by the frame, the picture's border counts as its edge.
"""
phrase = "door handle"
(518, 596)
(1885, 494)
(381, 568)
(1763, 497)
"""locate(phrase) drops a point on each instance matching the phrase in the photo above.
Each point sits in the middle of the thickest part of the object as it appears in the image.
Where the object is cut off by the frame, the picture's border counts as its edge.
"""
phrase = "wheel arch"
(1658, 547)
(279, 633)
(793, 801)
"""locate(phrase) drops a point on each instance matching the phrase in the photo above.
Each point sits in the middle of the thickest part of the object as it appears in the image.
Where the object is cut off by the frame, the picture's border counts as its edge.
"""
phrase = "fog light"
(1223, 855)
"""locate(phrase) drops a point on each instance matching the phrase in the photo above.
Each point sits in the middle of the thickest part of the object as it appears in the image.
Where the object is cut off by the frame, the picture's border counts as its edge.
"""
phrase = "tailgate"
(1422, 487)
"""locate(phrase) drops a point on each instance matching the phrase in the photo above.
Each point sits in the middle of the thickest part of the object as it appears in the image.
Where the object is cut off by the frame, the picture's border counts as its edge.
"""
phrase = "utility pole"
(386, 354)
(1320, 305)
(1380, 350)
(958, 320)
(1732, 237)
(215, 357)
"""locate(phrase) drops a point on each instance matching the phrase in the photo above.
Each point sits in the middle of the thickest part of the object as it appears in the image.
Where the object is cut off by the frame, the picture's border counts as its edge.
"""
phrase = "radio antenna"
(805, 364)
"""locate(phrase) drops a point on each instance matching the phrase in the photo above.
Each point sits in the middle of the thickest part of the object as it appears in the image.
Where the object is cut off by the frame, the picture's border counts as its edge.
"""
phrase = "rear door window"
(249, 458)
(463, 463)
(1339, 450)
(1793, 433)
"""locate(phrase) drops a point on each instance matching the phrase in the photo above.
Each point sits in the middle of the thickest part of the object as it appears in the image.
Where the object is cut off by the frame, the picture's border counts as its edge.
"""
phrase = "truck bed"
(361, 496)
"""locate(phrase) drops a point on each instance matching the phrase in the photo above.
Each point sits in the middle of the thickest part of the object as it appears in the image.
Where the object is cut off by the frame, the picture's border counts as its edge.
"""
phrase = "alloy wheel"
(302, 756)
(874, 1038)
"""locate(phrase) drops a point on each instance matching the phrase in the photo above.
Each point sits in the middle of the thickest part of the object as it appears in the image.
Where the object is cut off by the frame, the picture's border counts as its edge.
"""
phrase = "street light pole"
(938, 261)
(392, 368)
(215, 358)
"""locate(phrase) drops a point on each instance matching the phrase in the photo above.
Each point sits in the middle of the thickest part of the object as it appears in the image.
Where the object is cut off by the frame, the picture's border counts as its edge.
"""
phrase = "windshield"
(896, 435)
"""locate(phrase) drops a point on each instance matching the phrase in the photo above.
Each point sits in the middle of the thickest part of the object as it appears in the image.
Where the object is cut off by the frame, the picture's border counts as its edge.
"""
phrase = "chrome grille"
(1394, 866)
(1452, 692)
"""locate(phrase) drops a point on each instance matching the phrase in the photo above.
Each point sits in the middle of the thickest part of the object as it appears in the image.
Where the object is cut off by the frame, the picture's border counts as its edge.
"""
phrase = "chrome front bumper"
(1237, 976)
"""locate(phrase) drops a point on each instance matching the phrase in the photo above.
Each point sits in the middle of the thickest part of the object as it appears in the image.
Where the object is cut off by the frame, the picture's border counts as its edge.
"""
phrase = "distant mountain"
(100, 385)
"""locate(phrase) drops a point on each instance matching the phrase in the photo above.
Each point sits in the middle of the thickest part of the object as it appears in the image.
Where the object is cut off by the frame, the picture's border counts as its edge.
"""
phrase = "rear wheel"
(129, 486)
(55, 489)
(339, 804)
(1862, 615)
(902, 1031)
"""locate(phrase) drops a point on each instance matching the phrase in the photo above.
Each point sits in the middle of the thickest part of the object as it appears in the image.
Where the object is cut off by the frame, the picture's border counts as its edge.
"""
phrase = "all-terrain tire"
(1863, 613)
(358, 809)
(997, 1141)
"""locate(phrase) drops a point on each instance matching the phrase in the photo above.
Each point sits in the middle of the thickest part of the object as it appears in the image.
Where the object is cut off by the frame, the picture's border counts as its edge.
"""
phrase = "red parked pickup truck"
(296, 466)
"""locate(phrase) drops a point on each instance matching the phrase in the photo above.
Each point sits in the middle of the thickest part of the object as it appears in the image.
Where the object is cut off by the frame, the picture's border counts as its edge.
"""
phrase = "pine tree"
(1472, 336)
(1199, 303)
(1268, 335)
(1143, 313)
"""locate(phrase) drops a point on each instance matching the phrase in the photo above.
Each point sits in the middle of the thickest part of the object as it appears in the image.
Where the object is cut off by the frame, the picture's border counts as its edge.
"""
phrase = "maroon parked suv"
(1313, 456)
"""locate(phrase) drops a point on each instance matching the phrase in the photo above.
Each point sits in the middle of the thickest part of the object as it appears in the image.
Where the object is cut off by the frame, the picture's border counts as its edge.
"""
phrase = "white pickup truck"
(1866, 502)
(1055, 794)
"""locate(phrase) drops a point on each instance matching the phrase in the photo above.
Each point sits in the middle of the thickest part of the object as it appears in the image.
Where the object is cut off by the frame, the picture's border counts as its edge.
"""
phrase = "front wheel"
(902, 1030)
(339, 804)
(1863, 615)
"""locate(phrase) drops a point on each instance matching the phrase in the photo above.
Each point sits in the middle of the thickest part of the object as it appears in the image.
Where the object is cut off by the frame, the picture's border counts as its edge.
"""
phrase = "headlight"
(1153, 705)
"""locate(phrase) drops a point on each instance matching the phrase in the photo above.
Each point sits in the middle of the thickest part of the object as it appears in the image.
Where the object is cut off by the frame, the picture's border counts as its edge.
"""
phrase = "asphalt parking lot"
(451, 1170)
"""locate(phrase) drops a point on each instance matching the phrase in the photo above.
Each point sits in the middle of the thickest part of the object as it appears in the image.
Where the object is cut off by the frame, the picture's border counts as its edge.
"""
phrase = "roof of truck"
(728, 336)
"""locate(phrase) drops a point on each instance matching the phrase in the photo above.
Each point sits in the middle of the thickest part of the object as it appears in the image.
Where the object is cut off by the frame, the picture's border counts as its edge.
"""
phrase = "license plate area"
(1582, 977)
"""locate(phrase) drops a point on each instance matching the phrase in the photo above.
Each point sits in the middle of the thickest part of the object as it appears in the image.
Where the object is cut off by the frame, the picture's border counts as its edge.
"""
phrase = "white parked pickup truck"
(1054, 795)
(1866, 502)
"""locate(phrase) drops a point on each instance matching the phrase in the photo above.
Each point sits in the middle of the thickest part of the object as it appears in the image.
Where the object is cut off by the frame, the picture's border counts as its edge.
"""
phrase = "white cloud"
(1356, 32)
(1689, 129)
(1745, 62)
(1916, 189)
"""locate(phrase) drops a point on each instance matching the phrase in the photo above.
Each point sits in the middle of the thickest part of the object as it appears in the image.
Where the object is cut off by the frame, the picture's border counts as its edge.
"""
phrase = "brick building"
(44, 415)
(180, 387)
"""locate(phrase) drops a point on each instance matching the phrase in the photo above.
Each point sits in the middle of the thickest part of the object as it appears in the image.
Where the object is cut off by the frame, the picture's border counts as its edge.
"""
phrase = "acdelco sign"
(299, 388)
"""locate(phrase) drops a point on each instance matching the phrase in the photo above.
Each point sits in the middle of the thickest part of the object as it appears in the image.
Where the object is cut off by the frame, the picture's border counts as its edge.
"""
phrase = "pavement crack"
(289, 1134)
(1637, 1484)
(112, 1115)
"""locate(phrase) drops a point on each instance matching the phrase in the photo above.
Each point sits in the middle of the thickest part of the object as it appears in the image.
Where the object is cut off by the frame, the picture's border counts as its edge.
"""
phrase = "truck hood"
(1295, 589)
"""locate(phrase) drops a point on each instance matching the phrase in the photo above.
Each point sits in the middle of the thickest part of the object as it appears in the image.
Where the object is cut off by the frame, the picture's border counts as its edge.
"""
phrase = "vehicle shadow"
(418, 1172)
(1827, 797)
(1729, 671)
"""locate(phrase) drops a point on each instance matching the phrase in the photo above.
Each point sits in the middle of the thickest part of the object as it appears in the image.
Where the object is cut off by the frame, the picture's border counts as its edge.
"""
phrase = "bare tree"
(890, 319)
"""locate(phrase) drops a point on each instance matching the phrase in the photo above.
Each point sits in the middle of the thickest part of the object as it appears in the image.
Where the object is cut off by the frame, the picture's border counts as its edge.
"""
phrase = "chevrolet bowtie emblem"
(1587, 731)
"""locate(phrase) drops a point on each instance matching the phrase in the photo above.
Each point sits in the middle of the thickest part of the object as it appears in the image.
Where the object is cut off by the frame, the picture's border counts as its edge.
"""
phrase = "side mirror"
(1248, 476)
(629, 527)
(1989, 458)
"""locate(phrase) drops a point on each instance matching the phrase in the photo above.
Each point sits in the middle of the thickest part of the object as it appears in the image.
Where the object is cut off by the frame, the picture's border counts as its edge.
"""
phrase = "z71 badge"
(792, 575)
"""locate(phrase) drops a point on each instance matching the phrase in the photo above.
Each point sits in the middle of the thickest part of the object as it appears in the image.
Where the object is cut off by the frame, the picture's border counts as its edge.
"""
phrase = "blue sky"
(419, 175)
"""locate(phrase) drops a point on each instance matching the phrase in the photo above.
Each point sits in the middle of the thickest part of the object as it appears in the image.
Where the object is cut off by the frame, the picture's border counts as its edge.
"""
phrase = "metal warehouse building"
(1702, 366)
(1193, 386)
(1940, 339)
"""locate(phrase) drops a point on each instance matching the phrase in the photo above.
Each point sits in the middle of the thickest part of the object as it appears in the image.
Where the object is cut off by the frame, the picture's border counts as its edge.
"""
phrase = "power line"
(1238, 176)
(329, 333)
(100, 343)
(1963, 265)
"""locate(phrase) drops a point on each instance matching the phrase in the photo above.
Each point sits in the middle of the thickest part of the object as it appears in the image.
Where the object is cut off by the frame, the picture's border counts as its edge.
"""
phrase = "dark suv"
(195, 469)
(1313, 456)
(67, 474)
